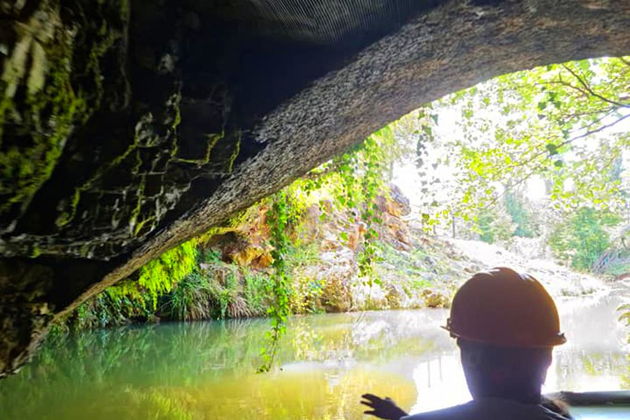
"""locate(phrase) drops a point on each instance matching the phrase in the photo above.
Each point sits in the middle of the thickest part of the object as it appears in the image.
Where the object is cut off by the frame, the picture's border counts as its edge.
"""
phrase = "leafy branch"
(278, 220)
(589, 90)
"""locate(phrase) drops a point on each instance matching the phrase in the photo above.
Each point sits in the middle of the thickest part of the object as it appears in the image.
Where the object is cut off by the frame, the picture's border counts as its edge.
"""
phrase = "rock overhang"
(160, 120)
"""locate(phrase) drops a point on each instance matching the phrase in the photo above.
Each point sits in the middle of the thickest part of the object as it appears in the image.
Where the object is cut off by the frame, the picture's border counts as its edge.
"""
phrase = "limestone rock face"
(127, 127)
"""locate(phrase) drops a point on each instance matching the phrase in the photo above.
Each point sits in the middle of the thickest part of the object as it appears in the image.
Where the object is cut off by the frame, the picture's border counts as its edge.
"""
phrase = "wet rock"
(395, 296)
(435, 299)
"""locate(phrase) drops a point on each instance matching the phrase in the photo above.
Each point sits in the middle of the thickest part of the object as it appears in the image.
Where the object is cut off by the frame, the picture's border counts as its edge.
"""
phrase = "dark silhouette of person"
(506, 326)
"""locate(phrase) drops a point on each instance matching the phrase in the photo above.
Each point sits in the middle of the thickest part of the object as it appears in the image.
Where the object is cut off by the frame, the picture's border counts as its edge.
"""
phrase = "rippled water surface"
(205, 370)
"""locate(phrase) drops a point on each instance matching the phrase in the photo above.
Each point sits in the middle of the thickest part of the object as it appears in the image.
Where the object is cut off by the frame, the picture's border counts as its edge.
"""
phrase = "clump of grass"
(190, 300)
(255, 292)
(216, 290)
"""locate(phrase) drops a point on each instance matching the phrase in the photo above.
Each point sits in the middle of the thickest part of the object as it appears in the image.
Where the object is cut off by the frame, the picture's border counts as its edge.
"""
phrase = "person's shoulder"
(489, 409)
(450, 413)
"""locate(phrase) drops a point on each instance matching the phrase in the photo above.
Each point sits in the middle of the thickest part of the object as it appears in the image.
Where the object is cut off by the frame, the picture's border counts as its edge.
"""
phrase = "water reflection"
(204, 370)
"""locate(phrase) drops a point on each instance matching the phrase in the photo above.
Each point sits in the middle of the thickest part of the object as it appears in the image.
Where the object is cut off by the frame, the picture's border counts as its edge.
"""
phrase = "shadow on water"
(204, 370)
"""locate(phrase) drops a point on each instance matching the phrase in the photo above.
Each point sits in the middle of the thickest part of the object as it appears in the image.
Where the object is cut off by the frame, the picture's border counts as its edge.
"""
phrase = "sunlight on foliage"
(557, 121)
(158, 276)
(582, 238)
(561, 128)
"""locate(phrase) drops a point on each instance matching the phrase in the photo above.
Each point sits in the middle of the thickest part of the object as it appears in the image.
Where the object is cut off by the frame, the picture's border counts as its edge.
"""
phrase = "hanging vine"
(363, 175)
(278, 219)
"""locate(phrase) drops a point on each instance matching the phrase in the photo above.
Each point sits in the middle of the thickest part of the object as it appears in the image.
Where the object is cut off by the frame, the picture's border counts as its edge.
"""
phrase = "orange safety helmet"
(505, 308)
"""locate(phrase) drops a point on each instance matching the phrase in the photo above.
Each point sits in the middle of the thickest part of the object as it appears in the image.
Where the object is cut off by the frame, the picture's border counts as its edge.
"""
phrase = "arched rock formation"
(128, 127)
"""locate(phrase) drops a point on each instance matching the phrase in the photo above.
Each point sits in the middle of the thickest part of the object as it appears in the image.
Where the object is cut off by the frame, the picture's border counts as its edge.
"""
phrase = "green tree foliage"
(562, 125)
(521, 215)
(583, 238)
(557, 122)
(547, 121)
(493, 225)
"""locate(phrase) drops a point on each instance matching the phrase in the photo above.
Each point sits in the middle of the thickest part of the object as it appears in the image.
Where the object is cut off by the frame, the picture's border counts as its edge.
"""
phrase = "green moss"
(141, 224)
(66, 216)
(235, 152)
(41, 64)
(135, 212)
(178, 115)
(229, 226)
(212, 140)
(158, 276)
(25, 169)
(35, 251)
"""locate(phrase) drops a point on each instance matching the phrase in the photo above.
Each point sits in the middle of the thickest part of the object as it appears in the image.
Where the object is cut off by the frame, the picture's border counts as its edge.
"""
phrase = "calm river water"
(205, 370)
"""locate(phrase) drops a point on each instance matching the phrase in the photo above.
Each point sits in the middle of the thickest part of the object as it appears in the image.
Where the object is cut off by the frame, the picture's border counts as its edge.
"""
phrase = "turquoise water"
(205, 370)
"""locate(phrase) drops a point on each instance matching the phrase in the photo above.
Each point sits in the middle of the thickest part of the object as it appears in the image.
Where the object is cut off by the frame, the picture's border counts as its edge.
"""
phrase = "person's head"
(506, 325)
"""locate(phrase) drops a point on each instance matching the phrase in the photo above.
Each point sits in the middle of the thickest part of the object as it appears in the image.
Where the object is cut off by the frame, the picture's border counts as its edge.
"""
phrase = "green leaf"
(552, 149)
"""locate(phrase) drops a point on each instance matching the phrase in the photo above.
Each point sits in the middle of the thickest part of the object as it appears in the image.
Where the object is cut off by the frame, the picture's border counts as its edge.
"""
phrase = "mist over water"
(205, 370)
